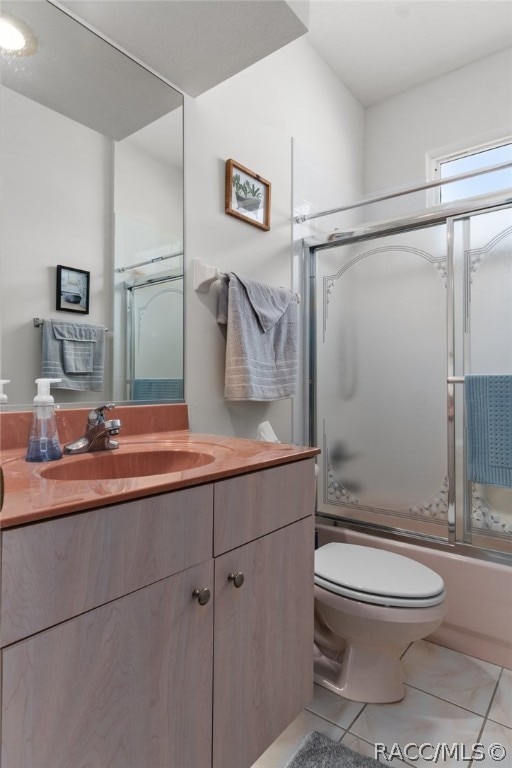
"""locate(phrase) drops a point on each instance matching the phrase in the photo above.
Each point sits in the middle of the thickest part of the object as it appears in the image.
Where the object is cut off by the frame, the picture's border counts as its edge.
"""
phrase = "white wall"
(468, 106)
(252, 118)
(55, 210)
(148, 190)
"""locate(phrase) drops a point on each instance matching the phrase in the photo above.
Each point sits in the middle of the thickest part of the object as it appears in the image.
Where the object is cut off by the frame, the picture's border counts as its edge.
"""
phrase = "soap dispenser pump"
(43, 444)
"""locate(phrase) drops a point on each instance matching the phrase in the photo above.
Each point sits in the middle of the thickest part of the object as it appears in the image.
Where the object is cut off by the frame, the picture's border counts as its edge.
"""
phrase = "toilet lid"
(376, 576)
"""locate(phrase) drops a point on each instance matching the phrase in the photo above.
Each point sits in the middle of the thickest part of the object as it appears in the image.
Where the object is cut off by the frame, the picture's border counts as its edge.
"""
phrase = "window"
(472, 160)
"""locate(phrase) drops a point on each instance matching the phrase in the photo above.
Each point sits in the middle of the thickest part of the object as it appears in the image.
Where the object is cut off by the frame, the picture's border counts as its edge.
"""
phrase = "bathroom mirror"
(91, 167)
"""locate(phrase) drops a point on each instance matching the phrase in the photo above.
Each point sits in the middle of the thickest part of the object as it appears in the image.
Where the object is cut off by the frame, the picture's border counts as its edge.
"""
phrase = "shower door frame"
(169, 276)
(443, 214)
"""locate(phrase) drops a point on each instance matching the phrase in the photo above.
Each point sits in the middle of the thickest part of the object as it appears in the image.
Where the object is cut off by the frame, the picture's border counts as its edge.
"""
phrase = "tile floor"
(450, 699)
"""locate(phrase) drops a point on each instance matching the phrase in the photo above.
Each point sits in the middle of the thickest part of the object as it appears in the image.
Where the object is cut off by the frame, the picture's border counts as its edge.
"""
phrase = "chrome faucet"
(98, 433)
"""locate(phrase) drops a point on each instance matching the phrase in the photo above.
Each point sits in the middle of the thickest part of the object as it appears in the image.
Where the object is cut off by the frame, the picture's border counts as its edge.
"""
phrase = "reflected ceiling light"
(16, 38)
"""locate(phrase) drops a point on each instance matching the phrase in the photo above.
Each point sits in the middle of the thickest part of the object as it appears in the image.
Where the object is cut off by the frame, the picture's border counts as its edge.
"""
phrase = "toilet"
(369, 605)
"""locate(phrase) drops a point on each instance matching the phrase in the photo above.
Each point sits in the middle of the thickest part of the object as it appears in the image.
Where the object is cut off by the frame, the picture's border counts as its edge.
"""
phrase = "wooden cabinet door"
(60, 568)
(258, 503)
(126, 685)
(263, 642)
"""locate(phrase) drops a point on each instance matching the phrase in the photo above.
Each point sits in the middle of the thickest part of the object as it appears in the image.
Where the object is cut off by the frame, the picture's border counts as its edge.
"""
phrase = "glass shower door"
(156, 339)
(387, 329)
(483, 270)
(381, 367)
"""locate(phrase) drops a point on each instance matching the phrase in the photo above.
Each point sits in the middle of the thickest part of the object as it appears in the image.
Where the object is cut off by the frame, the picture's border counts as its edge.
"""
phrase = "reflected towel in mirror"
(73, 352)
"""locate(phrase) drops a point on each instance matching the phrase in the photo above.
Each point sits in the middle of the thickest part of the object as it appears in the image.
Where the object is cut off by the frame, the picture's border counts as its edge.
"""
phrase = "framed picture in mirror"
(72, 289)
(247, 195)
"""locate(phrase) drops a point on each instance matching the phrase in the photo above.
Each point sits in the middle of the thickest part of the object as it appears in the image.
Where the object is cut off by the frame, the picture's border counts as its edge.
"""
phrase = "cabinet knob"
(236, 578)
(202, 595)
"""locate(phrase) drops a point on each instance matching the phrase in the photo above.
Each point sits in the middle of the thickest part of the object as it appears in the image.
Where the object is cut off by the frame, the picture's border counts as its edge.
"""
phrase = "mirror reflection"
(91, 163)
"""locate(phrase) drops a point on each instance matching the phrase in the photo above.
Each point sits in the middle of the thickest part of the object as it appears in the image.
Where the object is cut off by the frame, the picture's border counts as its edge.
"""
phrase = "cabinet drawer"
(255, 504)
(57, 569)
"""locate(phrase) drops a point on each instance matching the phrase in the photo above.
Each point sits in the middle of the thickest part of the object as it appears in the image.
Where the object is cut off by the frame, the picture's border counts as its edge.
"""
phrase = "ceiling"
(381, 47)
(376, 47)
(68, 75)
(194, 44)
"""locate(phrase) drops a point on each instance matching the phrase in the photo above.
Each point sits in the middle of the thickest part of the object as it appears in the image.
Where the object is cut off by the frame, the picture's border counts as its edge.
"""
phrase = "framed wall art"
(247, 195)
(72, 289)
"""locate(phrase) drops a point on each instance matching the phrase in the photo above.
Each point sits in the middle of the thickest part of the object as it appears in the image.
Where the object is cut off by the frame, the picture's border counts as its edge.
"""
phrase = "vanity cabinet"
(102, 641)
(263, 630)
(113, 657)
(263, 640)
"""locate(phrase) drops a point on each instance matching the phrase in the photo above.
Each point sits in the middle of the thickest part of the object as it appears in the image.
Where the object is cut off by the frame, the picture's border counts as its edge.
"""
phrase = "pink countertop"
(29, 496)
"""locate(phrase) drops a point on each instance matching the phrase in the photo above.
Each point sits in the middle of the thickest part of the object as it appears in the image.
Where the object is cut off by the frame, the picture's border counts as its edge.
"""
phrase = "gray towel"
(74, 353)
(262, 339)
(489, 429)
(77, 345)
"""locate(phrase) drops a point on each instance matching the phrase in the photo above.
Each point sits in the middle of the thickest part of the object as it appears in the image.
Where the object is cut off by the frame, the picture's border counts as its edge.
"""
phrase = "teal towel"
(489, 429)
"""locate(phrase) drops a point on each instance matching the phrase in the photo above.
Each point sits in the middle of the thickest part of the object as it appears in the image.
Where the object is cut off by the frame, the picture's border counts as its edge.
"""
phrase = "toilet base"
(359, 645)
(370, 675)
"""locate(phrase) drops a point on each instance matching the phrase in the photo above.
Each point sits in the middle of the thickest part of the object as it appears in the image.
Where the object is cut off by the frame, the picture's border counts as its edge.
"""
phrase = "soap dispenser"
(43, 444)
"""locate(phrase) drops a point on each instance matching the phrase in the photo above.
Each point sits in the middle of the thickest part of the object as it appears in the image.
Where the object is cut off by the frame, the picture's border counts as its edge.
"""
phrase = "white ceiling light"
(16, 38)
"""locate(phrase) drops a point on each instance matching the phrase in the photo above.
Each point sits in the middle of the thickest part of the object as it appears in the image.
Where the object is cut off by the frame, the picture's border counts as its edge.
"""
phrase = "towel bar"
(205, 275)
(39, 322)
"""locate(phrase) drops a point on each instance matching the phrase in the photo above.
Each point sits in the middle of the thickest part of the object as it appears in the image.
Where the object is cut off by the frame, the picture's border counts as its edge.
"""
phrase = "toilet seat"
(376, 576)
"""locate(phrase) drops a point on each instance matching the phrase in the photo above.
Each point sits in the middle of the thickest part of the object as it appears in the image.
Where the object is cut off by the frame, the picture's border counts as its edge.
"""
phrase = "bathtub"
(479, 595)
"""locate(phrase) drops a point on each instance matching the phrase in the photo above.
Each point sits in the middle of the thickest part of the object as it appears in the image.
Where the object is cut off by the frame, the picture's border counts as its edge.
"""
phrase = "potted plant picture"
(247, 195)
